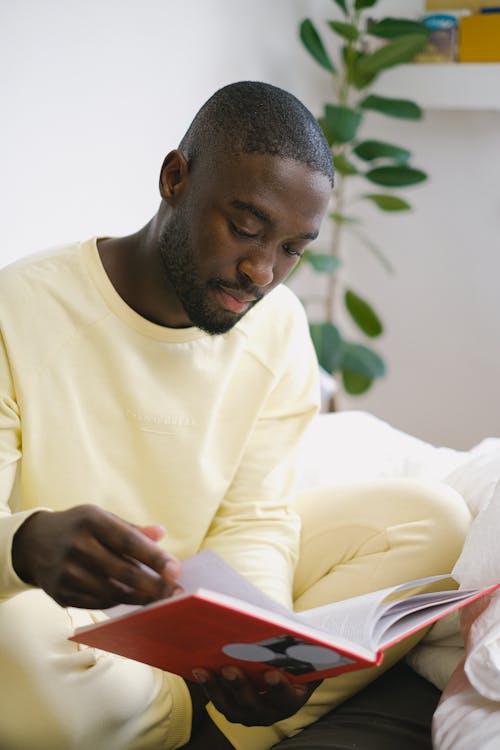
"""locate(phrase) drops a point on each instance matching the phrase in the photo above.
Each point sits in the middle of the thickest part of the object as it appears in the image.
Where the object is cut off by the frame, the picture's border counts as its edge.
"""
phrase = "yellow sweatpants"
(356, 538)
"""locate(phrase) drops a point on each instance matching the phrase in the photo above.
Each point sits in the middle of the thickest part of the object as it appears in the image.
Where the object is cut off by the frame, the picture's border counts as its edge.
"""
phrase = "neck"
(134, 267)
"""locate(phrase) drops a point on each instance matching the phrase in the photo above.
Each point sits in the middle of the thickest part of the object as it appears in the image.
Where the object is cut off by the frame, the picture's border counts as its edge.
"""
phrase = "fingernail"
(229, 673)
(272, 678)
(200, 676)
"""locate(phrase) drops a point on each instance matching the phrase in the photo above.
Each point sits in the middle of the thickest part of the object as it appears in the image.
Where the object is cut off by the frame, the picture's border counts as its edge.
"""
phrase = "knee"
(445, 506)
(444, 515)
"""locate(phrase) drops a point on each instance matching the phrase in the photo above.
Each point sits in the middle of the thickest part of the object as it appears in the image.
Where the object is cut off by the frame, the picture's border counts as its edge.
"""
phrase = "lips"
(233, 300)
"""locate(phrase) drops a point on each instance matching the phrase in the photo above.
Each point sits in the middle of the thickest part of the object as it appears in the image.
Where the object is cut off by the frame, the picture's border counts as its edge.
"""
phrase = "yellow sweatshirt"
(158, 425)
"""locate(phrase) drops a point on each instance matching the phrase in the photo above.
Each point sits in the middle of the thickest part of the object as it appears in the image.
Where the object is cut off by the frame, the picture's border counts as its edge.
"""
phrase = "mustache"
(243, 287)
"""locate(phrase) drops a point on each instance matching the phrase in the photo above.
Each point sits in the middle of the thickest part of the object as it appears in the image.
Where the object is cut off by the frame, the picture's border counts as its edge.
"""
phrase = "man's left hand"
(242, 702)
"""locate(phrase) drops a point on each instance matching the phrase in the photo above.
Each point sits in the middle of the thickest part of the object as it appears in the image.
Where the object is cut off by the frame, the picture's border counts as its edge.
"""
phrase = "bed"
(397, 710)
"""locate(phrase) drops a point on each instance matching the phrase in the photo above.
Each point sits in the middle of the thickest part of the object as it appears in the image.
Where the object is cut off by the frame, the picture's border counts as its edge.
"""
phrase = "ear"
(173, 175)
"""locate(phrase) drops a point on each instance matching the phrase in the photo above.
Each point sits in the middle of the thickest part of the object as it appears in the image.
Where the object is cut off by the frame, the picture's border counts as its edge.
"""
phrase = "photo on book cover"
(288, 653)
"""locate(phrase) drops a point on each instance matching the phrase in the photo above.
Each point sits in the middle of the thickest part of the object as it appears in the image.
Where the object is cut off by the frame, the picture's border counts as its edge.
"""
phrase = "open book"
(238, 624)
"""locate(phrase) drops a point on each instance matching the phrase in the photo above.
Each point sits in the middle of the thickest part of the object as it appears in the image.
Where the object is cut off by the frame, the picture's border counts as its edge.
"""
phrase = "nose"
(258, 266)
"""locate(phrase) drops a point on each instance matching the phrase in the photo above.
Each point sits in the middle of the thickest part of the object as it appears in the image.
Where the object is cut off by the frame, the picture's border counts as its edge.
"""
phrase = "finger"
(125, 540)
(153, 532)
(283, 696)
(202, 678)
(217, 692)
(240, 688)
(279, 689)
(118, 576)
(80, 588)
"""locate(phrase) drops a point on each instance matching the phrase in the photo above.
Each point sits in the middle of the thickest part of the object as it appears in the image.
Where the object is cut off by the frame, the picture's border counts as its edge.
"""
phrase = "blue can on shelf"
(442, 43)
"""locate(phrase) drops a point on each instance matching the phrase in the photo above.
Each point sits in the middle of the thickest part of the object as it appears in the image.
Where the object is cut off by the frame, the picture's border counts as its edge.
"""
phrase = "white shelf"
(444, 85)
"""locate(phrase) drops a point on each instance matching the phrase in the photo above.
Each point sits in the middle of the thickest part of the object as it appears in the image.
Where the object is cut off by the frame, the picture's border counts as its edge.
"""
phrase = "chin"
(216, 328)
(216, 323)
(214, 319)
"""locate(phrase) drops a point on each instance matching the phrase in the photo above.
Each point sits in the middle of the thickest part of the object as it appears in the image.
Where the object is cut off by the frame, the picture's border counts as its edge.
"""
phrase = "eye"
(241, 232)
(290, 251)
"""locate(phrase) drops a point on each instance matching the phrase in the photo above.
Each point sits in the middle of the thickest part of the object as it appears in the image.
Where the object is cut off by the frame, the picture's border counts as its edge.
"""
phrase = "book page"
(405, 616)
(208, 571)
(352, 618)
(356, 618)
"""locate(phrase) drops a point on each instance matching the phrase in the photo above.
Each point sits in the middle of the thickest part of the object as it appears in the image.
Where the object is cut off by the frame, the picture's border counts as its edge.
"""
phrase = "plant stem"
(335, 251)
(343, 97)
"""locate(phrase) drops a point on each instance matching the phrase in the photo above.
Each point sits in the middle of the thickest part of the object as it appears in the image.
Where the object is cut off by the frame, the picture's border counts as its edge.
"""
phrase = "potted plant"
(366, 48)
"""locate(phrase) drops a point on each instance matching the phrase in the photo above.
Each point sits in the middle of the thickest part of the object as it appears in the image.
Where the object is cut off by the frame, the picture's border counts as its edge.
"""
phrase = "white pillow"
(356, 446)
(475, 478)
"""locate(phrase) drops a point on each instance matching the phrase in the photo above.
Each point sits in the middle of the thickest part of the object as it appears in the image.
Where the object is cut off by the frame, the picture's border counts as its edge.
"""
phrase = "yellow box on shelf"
(474, 5)
(480, 38)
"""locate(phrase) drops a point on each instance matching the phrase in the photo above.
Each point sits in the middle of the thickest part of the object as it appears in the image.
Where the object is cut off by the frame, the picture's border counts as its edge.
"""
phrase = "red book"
(203, 627)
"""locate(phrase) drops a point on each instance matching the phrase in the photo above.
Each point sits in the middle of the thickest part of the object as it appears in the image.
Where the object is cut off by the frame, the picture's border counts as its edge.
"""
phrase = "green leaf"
(343, 219)
(359, 79)
(322, 262)
(360, 4)
(388, 202)
(324, 127)
(312, 42)
(344, 166)
(342, 122)
(402, 108)
(370, 150)
(345, 30)
(328, 345)
(361, 359)
(351, 57)
(363, 314)
(343, 6)
(398, 176)
(354, 383)
(391, 28)
(400, 50)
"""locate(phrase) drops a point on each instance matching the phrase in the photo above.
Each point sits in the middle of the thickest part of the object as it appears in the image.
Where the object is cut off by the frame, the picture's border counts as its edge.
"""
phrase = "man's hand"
(87, 557)
(242, 702)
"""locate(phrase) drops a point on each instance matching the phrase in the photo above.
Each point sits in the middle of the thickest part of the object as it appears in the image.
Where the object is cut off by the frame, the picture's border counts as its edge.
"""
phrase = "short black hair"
(255, 117)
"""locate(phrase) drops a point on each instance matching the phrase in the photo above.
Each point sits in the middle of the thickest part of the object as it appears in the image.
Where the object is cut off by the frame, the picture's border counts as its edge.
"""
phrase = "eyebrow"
(243, 206)
(262, 216)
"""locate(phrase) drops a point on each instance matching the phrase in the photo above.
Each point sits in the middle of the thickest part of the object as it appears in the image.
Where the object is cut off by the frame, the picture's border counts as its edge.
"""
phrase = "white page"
(208, 571)
(356, 618)
(351, 618)
(405, 616)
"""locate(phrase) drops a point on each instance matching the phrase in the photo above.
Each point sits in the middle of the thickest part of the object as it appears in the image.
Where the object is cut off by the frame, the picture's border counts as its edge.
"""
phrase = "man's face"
(237, 230)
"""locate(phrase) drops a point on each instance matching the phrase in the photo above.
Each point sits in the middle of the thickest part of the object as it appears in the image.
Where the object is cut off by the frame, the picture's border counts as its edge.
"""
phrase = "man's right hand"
(88, 557)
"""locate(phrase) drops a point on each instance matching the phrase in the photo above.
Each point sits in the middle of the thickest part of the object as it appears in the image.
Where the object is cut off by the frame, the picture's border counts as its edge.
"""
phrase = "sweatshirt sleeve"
(256, 529)
(10, 453)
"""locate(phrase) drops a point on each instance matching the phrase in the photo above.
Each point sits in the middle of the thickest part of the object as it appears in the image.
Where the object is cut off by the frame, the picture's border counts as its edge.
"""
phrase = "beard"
(196, 296)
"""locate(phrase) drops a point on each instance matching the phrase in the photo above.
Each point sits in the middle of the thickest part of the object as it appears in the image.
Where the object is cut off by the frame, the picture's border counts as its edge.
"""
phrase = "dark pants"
(393, 713)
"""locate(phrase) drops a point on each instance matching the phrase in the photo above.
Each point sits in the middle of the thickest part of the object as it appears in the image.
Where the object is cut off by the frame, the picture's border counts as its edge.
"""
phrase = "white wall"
(95, 92)
(98, 91)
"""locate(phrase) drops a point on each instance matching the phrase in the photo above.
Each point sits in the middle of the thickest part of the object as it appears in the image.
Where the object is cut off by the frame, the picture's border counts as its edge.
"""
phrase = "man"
(153, 389)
